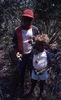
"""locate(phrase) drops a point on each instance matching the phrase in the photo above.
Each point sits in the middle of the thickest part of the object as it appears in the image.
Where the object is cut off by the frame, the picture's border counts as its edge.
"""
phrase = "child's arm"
(42, 71)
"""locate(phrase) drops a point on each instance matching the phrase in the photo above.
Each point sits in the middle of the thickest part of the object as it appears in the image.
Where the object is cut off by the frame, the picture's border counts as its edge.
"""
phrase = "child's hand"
(19, 56)
(40, 72)
(43, 70)
(37, 72)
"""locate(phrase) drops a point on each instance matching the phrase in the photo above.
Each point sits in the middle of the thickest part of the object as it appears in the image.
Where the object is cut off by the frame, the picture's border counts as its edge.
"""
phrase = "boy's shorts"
(44, 76)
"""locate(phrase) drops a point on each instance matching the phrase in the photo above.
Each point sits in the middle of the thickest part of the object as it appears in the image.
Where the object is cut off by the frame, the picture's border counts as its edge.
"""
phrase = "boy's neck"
(26, 28)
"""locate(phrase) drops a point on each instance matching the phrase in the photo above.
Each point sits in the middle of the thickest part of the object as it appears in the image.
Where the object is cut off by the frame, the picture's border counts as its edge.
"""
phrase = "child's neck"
(36, 52)
(42, 50)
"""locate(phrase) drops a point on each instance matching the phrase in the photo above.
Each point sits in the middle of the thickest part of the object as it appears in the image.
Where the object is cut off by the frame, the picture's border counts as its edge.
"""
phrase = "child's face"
(39, 46)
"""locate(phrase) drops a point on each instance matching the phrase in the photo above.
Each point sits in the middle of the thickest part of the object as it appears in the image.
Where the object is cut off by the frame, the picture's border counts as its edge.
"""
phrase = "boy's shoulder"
(34, 27)
(35, 30)
(17, 28)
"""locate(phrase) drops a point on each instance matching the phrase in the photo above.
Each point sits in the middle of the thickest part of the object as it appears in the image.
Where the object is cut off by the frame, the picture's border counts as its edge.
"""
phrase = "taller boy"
(23, 38)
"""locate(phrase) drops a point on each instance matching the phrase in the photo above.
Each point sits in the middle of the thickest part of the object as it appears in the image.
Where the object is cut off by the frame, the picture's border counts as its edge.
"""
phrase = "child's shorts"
(44, 76)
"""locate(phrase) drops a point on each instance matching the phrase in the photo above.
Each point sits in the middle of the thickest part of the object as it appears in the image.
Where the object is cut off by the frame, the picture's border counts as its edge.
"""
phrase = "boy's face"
(26, 21)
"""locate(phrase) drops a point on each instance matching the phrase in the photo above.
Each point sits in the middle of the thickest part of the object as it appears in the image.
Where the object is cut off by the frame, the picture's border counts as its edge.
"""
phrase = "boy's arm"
(15, 44)
(15, 47)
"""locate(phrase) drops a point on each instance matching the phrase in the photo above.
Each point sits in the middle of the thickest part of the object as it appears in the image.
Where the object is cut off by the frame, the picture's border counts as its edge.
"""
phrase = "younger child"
(41, 58)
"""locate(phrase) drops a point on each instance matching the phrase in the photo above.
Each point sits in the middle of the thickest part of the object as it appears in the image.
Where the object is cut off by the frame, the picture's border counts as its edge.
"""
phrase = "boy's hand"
(19, 56)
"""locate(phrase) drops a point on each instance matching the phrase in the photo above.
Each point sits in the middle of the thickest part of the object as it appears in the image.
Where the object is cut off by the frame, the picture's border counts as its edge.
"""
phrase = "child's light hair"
(42, 37)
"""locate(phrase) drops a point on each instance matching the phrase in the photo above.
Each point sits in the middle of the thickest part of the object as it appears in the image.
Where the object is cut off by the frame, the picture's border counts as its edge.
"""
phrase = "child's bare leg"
(33, 84)
(41, 89)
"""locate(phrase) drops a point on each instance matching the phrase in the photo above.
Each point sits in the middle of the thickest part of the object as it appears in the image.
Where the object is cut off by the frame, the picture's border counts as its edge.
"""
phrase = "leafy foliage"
(48, 20)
